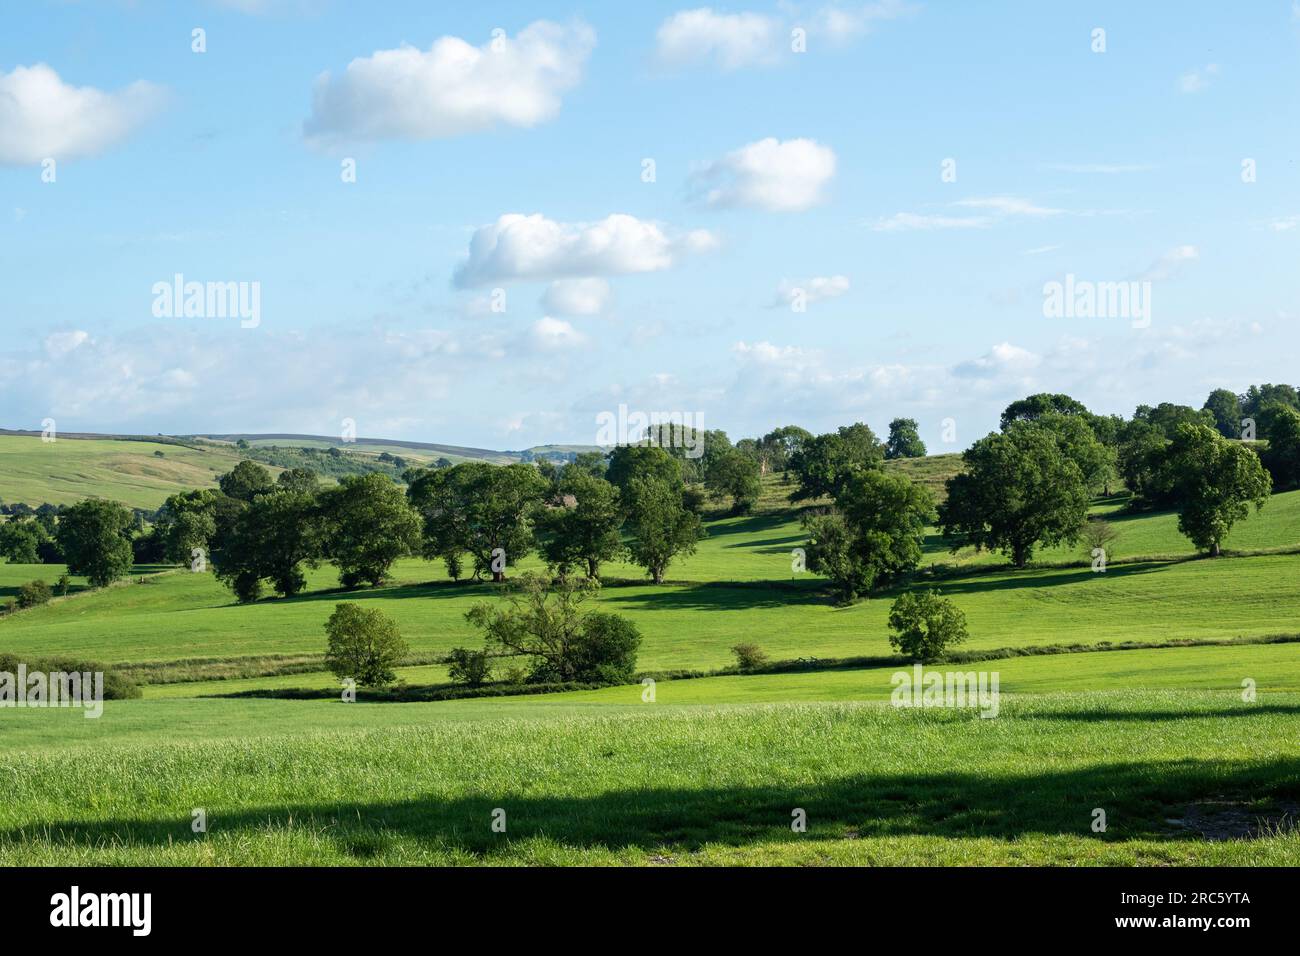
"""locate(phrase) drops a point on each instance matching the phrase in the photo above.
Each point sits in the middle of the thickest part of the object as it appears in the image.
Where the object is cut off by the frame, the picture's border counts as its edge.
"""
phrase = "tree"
(271, 539)
(1078, 442)
(592, 462)
(1019, 491)
(1282, 457)
(582, 528)
(246, 481)
(34, 594)
(904, 439)
(369, 525)
(1098, 533)
(468, 666)
(485, 510)
(20, 540)
(642, 461)
(780, 444)
(1167, 417)
(1034, 407)
(187, 521)
(94, 536)
(749, 657)
(300, 479)
(1218, 481)
(823, 464)
(925, 625)
(735, 475)
(364, 645)
(660, 526)
(875, 534)
(544, 621)
(1226, 409)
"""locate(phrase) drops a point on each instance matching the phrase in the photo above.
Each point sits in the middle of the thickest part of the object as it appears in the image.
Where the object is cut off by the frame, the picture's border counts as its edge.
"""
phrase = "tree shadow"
(1138, 799)
(722, 596)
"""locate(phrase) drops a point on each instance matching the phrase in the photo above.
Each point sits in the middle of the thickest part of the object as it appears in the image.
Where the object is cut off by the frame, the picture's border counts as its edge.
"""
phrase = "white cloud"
(576, 296)
(842, 22)
(1284, 223)
(1170, 264)
(43, 117)
(787, 176)
(59, 344)
(550, 334)
(532, 247)
(1198, 80)
(1000, 361)
(730, 40)
(452, 88)
(992, 210)
(816, 289)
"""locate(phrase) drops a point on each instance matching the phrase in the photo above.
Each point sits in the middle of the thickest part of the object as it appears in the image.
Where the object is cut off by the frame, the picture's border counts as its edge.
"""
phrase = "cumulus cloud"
(550, 334)
(43, 117)
(532, 247)
(732, 41)
(452, 88)
(779, 176)
(729, 40)
(816, 289)
(576, 296)
(998, 362)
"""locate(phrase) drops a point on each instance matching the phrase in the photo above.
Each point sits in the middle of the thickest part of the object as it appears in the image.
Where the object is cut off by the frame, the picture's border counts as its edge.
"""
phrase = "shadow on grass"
(1138, 799)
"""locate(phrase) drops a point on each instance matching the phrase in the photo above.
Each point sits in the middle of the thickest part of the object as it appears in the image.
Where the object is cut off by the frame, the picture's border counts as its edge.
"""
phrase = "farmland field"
(710, 770)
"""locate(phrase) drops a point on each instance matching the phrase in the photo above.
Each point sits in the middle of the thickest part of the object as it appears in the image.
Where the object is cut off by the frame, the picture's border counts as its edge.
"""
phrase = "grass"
(709, 773)
(672, 785)
(67, 470)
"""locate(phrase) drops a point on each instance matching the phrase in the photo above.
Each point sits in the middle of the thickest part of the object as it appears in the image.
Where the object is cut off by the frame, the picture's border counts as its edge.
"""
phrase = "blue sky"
(519, 167)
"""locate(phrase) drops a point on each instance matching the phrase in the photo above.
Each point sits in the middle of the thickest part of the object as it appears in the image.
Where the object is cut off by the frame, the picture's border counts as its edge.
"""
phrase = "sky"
(487, 224)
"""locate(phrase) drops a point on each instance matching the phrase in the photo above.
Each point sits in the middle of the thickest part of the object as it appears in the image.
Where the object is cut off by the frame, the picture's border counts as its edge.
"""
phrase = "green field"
(1161, 737)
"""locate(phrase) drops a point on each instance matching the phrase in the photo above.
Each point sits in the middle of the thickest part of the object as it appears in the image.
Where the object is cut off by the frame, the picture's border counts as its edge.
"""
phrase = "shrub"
(116, 686)
(33, 593)
(925, 625)
(749, 656)
(470, 667)
(364, 644)
(63, 584)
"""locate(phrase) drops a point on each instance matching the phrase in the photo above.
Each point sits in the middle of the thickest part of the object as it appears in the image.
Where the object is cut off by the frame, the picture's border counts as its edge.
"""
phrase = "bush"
(749, 656)
(465, 666)
(116, 686)
(63, 584)
(34, 593)
(925, 625)
(364, 644)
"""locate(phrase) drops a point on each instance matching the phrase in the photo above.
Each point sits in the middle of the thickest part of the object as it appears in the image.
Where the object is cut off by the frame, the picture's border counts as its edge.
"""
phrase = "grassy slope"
(70, 469)
(666, 785)
(694, 622)
(710, 772)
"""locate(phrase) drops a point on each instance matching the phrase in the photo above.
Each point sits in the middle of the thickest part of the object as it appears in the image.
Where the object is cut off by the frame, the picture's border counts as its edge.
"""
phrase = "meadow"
(1189, 767)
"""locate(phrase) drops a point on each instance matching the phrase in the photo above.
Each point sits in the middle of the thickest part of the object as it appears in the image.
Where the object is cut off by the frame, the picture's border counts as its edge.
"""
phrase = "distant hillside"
(931, 471)
(138, 472)
(420, 452)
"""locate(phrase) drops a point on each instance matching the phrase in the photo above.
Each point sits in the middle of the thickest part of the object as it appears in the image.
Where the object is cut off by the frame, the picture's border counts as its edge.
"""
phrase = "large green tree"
(904, 439)
(246, 481)
(368, 526)
(661, 528)
(1282, 457)
(581, 527)
(94, 536)
(734, 475)
(1226, 409)
(1219, 480)
(824, 464)
(875, 533)
(1019, 491)
(271, 539)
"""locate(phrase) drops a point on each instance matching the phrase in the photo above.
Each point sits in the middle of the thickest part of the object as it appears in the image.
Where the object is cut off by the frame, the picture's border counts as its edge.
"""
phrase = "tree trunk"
(658, 574)
(498, 576)
(1214, 550)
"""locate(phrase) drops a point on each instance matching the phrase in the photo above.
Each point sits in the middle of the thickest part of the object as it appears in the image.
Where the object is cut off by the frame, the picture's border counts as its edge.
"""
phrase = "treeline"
(331, 462)
(1030, 484)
